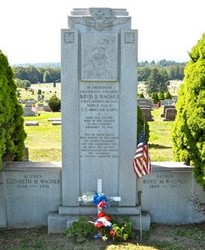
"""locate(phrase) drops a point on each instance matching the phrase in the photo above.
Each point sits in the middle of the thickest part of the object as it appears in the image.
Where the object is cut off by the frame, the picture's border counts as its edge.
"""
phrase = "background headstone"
(30, 109)
(147, 114)
(164, 109)
(170, 114)
(145, 102)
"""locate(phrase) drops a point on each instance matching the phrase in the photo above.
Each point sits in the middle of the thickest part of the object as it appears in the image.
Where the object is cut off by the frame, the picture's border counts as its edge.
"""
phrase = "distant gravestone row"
(168, 113)
(55, 121)
(31, 110)
(44, 107)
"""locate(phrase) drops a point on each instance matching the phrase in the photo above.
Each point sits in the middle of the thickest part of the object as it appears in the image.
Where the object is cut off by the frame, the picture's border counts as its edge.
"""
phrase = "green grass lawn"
(44, 141)
(160, 141)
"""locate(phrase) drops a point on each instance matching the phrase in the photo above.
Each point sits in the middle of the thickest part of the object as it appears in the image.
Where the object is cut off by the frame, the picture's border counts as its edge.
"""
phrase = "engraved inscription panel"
(169, 181)
(32, 181)
(99, 57)
(99, 129)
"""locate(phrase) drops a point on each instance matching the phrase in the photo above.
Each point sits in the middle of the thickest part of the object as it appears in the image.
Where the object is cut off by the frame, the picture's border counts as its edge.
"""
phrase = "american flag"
(141, 161)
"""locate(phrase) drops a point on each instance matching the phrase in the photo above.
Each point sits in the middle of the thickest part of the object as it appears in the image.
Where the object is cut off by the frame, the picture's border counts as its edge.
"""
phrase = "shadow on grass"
(158, 146)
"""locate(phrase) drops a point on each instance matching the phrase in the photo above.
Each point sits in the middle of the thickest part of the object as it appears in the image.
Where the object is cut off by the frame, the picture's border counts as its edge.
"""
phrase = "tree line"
(161, 71)
(156, 76)
(172, 72)
(27, 75)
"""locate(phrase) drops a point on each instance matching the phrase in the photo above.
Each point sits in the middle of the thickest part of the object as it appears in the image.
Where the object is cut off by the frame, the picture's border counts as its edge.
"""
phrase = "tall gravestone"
(99, 120)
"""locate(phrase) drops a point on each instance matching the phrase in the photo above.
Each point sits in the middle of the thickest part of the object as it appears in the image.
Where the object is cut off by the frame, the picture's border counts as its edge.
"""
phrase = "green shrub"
(167, 95)
(12, 134)
(25, 84)
(189, 126)
(155, 97)
(55, 103)
(141, 95)
(81, 230)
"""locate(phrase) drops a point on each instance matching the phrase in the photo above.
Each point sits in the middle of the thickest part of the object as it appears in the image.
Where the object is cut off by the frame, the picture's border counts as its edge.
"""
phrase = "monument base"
(59, 222)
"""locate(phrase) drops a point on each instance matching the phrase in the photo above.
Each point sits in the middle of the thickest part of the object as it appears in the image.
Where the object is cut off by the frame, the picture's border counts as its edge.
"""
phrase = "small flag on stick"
(141, 161)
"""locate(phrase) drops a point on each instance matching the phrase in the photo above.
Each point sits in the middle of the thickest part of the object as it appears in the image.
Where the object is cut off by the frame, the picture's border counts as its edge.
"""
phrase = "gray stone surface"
(54, 119)
(30, 109)
(55, 123)
(57, 223)
(32, 190)
(147, 114)
(167, 102)
(31, 123)
(145, 102)
(164, 109)
(30, 195)
(167, 194)
(98, 67)
(3, 222)
(46, 108)
(170, 114)
(141, 222)
(92, 210)
(105, 51)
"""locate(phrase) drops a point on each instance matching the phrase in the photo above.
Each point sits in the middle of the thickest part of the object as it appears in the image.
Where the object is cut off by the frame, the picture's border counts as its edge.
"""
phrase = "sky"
(168, 29)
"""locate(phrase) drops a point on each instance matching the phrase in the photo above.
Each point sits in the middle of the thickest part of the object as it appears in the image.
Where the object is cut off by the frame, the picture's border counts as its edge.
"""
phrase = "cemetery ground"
(166, 237)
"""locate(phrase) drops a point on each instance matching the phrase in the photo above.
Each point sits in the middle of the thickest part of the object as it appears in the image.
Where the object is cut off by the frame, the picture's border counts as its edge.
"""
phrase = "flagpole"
(141, 166)
(139, 193)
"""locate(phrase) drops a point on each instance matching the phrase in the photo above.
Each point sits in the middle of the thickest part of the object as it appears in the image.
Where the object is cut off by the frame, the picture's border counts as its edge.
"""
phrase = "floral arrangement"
(104, 228)
(103, 220)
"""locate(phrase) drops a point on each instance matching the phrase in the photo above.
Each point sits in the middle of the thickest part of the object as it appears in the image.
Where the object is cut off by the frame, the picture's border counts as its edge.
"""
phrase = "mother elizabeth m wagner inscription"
(26, 181)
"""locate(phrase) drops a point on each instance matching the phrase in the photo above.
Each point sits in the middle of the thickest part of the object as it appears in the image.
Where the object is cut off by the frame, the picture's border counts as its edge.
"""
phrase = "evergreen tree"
(12, 134)
(157, 81)
(141, 123)
(54, 103)
(167, 95)
(189, 125)
(155, 97)
(47, 76)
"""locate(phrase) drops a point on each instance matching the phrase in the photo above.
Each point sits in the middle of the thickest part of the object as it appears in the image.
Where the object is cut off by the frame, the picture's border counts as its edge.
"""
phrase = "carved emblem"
(69, 37)
(129, 37)
(99, 19)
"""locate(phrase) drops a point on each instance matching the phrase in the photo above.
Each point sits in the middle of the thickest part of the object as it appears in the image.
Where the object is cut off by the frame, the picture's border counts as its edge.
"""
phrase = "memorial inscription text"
(99, 105)
(165, 181)
(27, 181)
